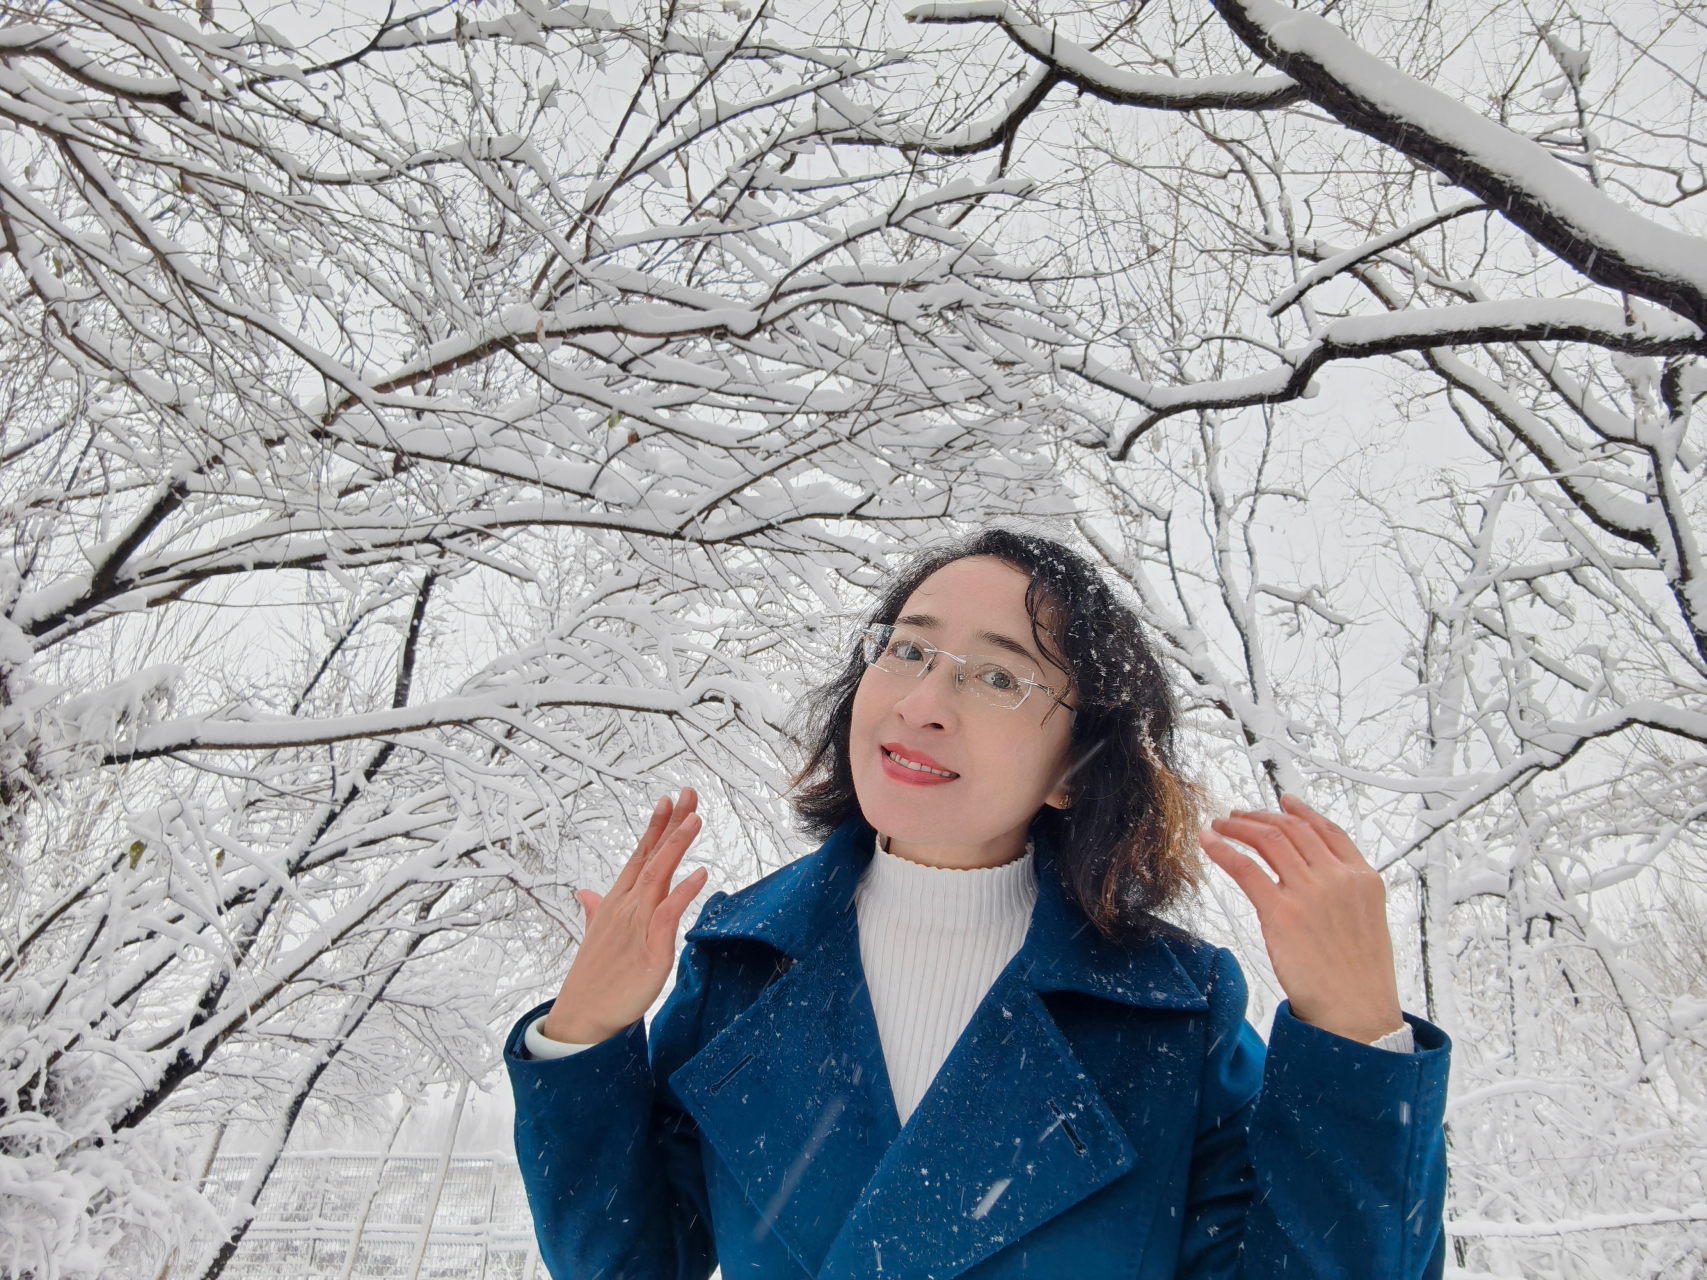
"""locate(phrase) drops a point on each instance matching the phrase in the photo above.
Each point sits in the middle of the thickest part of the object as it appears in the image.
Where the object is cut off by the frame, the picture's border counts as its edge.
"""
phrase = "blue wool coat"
(1108, 1113)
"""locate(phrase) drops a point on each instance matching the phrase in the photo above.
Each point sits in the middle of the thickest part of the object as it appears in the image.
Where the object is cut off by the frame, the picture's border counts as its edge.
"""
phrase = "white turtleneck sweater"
(931, 942)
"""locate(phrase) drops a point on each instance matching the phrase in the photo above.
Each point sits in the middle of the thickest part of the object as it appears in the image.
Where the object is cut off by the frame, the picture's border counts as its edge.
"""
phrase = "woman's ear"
(1062, 796)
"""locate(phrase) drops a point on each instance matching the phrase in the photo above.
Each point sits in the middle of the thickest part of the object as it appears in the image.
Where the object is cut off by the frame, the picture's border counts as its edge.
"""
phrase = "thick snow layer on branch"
(1512, 174)
(1517, 319)
(266, 733)
(530, 20)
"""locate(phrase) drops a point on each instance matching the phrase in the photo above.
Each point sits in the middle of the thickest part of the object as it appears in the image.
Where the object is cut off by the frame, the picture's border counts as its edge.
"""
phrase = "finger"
(681, 809)
(661, 934)
(655, 879)
(663, 814)
(1268, 840)
(1331, 834)
(1250, 878)
(589, 902)
(637, 860)
(1304, 837)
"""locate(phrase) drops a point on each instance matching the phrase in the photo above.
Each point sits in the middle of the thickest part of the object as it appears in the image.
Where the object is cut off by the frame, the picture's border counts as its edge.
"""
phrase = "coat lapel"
(793, 1094)
(1010, 1133)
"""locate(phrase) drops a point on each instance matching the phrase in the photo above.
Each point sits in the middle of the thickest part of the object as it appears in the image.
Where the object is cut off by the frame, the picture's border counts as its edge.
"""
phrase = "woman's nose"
(930, 702)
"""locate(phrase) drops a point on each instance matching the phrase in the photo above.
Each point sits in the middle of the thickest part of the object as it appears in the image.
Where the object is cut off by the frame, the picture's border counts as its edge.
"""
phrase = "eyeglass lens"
(999, 682)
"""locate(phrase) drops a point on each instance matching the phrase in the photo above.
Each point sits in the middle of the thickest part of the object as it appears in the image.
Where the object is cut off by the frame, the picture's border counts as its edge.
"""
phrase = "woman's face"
(987, 769)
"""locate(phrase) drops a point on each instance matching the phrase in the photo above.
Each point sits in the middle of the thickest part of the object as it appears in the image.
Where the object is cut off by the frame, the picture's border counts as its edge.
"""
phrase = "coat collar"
(796, 907)
(794, 1097)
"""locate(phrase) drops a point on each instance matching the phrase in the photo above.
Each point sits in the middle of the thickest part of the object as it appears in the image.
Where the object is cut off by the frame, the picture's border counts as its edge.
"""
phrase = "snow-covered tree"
(421, 438)
(427, 436)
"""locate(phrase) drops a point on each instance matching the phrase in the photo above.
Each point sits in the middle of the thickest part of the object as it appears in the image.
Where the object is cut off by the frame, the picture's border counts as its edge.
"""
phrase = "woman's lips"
(913, 768)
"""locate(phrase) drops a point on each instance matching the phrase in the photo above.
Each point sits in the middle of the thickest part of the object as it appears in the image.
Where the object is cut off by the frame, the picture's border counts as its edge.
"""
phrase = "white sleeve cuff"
(1400, 1041)
(541, 1047)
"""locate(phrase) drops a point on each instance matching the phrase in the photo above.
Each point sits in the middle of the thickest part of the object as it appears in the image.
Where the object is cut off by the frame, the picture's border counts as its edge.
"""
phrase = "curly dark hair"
(1126, 848)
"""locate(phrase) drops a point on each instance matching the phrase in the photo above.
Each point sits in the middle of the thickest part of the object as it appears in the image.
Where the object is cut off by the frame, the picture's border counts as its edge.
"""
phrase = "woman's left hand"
(1324, 921)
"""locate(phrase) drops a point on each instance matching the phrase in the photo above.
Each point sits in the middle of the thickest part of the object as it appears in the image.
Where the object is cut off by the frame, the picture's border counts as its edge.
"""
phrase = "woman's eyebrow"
(1003, 642)
(995, 638)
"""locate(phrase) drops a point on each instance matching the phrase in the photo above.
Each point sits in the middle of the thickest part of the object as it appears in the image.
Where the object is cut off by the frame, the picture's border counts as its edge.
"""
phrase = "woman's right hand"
(629, 943)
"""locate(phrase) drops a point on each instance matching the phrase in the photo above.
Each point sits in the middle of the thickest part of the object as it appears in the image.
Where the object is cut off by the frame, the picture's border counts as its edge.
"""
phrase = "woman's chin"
(942, 826)
(948, 815)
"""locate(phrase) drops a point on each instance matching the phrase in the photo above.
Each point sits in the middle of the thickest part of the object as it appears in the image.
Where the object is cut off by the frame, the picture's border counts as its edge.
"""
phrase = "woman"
(957, 1040)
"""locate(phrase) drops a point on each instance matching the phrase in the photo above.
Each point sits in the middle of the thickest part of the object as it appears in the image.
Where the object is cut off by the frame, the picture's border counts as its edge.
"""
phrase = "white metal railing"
(353, 1216)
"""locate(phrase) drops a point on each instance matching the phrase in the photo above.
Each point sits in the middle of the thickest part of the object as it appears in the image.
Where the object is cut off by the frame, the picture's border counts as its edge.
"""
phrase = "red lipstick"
(912, 767)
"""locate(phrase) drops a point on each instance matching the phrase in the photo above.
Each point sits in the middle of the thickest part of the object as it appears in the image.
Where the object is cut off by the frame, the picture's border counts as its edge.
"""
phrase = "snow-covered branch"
(1362, 337)
(1075, 65)
(1607, 242)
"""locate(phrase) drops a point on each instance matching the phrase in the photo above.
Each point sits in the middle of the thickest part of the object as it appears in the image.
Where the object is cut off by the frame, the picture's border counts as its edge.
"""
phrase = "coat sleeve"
(1319, 1157)
(612, 1167)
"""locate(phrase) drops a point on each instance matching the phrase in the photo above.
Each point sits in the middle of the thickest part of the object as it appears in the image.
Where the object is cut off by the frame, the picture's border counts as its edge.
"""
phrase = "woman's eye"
(907, 651)
(999, 678)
